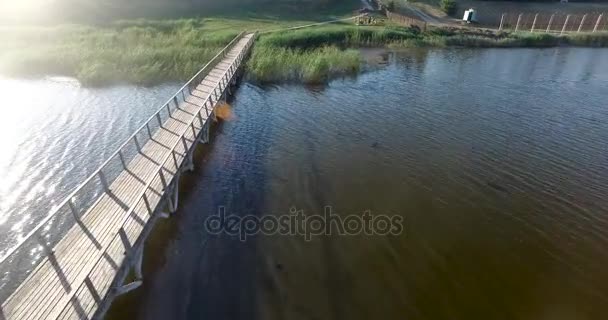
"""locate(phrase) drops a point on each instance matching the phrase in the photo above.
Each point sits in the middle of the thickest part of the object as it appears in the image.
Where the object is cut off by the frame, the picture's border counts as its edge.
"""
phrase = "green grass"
(503, 40)
(274, 64)
(145, 51)
(317, 54)
(321, 53)
(135, 52)
(150, 52)
(340, 35)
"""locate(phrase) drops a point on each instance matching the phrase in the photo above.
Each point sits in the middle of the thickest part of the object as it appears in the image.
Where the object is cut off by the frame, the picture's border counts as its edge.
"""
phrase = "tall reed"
(141, 52)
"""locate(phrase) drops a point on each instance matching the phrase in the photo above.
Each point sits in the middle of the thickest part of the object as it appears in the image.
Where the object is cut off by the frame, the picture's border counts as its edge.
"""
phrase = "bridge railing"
(17, 262)
(189, 135)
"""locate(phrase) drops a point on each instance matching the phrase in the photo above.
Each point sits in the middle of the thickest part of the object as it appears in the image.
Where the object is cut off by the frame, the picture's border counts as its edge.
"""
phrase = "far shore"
(150, 52)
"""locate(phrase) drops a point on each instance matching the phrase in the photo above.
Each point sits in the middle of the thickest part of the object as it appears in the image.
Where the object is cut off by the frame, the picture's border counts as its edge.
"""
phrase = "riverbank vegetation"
(317, 54)
(150, 52)
(141, 52)
(482, 39)
(147, 51)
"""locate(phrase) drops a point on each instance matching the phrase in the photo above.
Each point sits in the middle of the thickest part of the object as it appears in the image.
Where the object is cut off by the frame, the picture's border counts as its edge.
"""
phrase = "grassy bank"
(317, 54)
(482, 39)
(147, 51)
(150, 52)
(274, 64)
(393, 36)
(141, 52)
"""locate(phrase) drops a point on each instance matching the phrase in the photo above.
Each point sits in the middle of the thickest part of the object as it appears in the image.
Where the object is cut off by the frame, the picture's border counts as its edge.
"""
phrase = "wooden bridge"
(85, 249)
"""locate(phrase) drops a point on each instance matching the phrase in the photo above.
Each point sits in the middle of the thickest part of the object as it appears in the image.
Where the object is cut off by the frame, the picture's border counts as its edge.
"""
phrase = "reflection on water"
(53, 135)
(497, 159)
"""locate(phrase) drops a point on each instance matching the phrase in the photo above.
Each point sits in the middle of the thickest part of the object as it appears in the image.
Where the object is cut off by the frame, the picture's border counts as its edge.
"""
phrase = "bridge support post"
(189, 165)
(173, 199)
(128, 287)
(139, 258)
(139, 276)
(204, 135)
(170, 204)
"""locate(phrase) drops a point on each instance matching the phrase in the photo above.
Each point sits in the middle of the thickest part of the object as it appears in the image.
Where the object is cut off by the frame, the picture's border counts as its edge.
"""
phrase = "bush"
(448, 6)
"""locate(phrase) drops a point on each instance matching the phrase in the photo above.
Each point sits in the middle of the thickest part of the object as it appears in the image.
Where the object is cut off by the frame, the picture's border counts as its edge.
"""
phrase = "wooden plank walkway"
(75, 280)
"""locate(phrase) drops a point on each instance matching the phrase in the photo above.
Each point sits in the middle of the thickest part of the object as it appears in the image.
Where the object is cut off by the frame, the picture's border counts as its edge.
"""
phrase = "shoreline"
(151, 53)
(315, 56)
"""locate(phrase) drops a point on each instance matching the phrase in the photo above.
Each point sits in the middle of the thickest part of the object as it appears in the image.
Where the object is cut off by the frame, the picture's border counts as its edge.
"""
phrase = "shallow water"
(497, 159)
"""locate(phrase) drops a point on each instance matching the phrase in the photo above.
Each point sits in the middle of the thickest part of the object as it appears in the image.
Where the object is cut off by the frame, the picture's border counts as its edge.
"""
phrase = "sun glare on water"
(21, 6)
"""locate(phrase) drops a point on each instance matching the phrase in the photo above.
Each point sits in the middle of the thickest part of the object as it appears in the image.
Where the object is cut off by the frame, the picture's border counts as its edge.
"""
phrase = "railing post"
(550, 21)
(518, 20)
(163, 180)
(185, 144)
(502, 19)
(175, 160)
(534, 22)
(193, 130)
(104, 182)
(200, 119)
(122, 159)
(580, 26)
(137, 143)
(147, 202)
(160, 123)
(73, 209)
(206, 108)
(149, 131)
(597, 23)
(565, 25)
(210, 102)
(175, 101)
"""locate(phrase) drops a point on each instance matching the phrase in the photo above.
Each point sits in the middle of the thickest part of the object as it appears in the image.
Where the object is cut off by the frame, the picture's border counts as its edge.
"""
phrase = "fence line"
(406, 21)
(554, 23)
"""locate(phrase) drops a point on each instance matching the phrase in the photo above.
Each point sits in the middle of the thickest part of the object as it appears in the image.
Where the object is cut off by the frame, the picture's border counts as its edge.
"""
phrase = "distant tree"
(390, 6)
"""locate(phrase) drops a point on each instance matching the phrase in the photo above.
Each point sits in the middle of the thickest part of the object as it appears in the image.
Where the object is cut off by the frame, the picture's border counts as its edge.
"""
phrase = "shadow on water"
(188, 273)
(158, 241)
(495, 159)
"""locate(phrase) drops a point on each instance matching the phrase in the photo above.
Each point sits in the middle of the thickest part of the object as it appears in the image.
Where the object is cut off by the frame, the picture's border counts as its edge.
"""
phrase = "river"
(497, 159)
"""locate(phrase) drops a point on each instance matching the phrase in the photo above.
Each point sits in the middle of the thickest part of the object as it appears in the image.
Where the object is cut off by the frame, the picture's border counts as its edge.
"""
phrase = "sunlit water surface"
(54, 134)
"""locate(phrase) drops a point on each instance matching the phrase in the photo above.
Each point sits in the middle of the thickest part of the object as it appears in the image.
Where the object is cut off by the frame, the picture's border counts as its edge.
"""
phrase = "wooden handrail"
(146, 188)
(99, 171)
